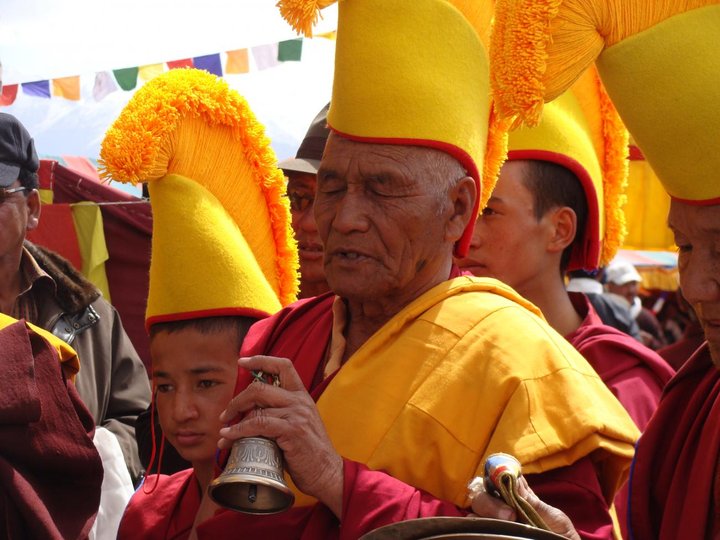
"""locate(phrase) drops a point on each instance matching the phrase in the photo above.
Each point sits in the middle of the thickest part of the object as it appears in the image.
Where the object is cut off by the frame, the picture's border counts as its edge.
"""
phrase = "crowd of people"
(430, 281)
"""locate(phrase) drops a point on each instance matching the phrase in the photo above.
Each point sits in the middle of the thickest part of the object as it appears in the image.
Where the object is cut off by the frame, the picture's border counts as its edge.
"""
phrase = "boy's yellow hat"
(222, 243)
(659, 60)
(415, 73)
(582, 132)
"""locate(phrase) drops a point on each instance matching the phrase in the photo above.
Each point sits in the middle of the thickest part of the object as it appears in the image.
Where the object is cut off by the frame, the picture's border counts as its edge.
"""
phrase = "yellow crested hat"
(415, 73)
(222, 243)
(658, 59)
(581, 131)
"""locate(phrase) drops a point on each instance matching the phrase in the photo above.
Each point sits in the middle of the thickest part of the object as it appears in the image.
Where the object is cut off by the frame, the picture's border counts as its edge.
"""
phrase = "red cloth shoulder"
(45, 435)
(634, 373)
(299, 332)
(675, 466)
(167, 512)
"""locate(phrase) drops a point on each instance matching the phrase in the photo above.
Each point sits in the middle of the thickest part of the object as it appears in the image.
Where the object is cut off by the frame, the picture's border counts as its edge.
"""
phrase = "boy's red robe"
(675, 481)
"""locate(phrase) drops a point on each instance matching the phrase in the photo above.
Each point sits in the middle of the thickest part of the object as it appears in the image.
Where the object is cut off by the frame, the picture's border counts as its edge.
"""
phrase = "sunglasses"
(5, 193)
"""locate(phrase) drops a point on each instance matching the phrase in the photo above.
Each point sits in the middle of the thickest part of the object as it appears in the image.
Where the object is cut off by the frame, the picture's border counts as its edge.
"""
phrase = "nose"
(700, 278)
(351, 212)
(183, 406)
(305, 221)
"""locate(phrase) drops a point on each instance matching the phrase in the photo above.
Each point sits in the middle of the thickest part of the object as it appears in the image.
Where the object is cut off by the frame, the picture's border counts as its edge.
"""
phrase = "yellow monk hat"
(222, 243)
(414, 73)
(582, 131)
(660, 63)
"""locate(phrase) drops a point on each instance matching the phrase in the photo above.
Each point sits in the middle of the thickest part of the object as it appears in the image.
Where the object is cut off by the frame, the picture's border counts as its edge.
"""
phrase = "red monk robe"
(371, 498)
(635, 374)
(675, 481)
(50, 471)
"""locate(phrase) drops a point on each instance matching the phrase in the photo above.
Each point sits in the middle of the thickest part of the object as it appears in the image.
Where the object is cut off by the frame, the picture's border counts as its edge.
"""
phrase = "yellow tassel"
(615, 175)
(302, 14)
(539, 48)
(518, 57)
(168, 113)
(495, 154)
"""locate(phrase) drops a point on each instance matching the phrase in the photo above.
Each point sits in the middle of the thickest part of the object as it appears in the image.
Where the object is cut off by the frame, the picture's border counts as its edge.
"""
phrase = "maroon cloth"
(635, 374)
(50, 471)
(168, 511)
(128, 233)
(679, 352)
(674, 481)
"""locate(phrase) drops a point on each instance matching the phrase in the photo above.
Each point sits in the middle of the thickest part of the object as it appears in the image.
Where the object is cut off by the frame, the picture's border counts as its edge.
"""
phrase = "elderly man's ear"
(33, 204)
(462, 196)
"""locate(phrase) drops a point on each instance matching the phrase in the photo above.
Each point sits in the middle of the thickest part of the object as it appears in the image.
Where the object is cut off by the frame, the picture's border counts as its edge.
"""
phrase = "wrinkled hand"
(485, 505)
(287, 414)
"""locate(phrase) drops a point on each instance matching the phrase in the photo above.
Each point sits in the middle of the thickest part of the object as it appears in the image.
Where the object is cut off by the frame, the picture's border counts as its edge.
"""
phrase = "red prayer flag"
(185, 63)
(9, 93)
(56, 231)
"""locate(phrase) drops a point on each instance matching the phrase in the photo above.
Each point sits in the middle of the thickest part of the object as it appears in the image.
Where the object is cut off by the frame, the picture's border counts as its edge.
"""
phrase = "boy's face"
(508, 241)
(194, 376)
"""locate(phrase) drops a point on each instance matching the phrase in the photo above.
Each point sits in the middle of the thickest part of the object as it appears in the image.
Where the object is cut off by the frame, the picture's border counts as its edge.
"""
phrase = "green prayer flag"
(290, 50)
(126, 78)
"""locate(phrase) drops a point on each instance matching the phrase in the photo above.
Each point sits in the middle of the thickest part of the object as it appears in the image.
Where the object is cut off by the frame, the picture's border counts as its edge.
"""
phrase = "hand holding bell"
(288, 415)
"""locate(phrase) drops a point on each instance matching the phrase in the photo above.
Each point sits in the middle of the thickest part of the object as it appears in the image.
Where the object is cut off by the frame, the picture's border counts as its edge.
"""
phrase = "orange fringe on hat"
(302, 14)
(495, 155)
(137, 146)
(615, 175)
(521, 44)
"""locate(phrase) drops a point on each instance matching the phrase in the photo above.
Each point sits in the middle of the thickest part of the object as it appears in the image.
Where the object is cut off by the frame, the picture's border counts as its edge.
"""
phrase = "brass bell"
(253, 481)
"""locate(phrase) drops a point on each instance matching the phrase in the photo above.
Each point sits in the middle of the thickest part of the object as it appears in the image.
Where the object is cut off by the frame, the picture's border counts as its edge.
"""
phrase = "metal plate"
(458, 527)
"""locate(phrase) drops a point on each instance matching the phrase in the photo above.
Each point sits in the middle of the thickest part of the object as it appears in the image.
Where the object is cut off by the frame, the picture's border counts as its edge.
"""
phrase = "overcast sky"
(45, 39)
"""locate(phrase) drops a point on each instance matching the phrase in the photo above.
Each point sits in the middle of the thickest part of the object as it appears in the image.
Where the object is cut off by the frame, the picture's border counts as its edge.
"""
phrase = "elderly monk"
(660, 64)
(395, 388)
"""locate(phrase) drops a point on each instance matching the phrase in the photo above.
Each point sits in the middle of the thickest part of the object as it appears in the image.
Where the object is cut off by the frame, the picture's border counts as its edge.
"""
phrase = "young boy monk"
(222, 257)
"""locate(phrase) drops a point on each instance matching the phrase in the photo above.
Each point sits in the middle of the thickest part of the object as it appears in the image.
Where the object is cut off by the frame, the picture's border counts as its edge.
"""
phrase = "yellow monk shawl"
(67, 355)
(441, 386)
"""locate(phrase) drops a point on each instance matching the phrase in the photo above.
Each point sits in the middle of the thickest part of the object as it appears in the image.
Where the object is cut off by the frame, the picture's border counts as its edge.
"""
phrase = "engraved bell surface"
(253, 481)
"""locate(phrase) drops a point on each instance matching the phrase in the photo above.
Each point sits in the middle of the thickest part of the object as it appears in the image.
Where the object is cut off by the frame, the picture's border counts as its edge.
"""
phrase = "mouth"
(310, 251)
(349, 255)
(474, 267)
(189, 438)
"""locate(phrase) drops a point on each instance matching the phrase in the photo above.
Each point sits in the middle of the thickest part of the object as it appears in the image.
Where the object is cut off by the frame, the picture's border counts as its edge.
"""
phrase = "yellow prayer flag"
(149, 72)
(67, 87)
(91, 240)
(237, 61)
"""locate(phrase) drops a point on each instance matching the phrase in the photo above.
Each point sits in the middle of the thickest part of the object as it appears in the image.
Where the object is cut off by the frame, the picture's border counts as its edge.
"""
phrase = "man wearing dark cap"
(301, 172)
(43, 288)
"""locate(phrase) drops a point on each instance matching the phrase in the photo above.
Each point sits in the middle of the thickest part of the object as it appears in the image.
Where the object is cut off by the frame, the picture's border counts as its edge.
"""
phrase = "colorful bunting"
(237, 61)
(210, 62)
(266, 56)
(104, 84)
(149, 72)
(290, 50)
(67, 87)
(9, 93)
(185, 63)
(37, 88)
(127, 78)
